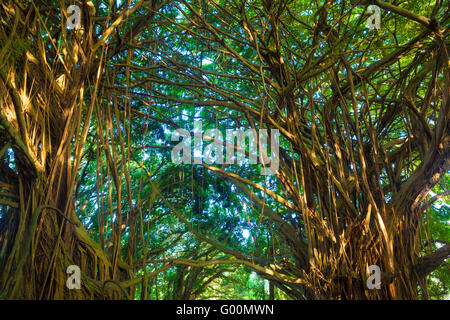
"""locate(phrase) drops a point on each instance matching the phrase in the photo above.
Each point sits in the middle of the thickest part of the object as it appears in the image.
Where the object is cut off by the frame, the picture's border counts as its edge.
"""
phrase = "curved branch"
(431, 262)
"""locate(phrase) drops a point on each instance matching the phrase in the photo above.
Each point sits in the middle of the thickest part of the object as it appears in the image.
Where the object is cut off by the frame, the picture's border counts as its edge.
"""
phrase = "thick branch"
(429, 263)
